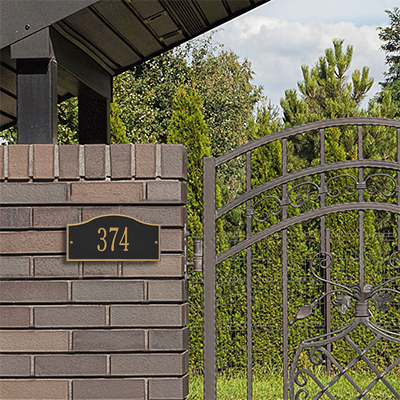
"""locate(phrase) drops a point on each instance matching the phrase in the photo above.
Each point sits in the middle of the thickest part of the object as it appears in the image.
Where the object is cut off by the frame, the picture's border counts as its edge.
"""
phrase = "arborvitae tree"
(117, 128)
(188, 127)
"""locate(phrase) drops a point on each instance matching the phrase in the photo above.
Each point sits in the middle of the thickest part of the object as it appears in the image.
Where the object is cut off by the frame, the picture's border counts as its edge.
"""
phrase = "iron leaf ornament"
(343, 302)
(344, 294)
(381, 300)
(304, 311)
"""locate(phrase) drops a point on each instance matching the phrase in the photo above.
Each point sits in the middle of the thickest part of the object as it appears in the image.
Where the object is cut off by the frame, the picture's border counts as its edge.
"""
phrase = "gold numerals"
(123, 241)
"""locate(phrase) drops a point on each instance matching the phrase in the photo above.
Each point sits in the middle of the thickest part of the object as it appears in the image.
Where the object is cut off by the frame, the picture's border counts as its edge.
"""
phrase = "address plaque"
(113, 237)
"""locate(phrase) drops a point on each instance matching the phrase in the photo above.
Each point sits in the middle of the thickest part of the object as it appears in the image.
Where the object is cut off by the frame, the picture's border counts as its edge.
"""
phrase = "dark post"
(94, 117)
(36, 88)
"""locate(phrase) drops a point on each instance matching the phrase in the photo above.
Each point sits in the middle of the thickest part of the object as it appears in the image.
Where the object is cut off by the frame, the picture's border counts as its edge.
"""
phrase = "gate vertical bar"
(360, 213)
(324, 244)
(210, 329)
(249, 310)
(285, 322)
(328, 301)
(398, 191)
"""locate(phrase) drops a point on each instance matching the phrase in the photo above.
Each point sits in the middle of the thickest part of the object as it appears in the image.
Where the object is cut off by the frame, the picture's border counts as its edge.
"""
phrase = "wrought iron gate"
(366, 184)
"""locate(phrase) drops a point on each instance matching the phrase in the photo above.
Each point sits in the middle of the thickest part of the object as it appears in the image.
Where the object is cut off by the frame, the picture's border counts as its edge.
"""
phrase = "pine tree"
(325, 89)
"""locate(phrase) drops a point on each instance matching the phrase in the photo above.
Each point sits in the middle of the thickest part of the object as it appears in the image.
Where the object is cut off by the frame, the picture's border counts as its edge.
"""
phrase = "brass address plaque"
(113, 238)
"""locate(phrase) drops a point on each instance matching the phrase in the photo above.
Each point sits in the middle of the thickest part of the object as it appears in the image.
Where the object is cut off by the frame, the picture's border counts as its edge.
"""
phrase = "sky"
(280, 36)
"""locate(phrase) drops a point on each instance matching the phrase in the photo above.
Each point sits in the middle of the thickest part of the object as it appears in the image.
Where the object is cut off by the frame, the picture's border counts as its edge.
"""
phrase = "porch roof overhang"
(94, 40)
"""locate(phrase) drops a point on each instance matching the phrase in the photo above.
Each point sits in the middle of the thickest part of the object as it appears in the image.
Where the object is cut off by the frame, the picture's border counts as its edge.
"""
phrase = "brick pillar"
(91, 330)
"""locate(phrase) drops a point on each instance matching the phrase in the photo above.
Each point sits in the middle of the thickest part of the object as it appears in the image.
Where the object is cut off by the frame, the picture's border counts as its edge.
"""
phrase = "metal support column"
(285, 296)
(249, 301)
(210, 306)
(360, 213)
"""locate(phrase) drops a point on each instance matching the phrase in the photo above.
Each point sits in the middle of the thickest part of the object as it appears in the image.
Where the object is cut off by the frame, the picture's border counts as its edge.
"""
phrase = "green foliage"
(325, 89)
(188, 128)
(326, 92)
(390, 35)
(223, 82)
(68, 123)
(117, 128)
(9, 135)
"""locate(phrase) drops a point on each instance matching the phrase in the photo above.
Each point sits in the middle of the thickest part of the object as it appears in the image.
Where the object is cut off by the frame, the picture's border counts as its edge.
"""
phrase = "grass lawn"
(269, 387)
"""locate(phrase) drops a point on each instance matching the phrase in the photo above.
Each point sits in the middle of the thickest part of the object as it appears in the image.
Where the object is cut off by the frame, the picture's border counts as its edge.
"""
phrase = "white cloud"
(360, 12)
(278, 47)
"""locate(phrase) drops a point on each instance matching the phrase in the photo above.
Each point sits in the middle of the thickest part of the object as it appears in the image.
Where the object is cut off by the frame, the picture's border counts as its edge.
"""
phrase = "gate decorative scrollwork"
(359, 186)
(381, 295)
(387, 189)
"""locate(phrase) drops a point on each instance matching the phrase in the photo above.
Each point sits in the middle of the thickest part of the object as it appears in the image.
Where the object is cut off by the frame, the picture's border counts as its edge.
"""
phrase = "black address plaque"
(113, 238)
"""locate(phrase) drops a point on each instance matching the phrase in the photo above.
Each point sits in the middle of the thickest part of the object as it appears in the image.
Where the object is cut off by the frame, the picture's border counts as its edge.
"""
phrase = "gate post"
(92, 329)
(210, 331)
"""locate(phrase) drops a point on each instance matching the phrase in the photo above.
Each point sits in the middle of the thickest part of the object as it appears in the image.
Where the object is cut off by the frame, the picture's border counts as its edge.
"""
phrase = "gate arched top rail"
(311, 126)
(279, 226)
(390, 165)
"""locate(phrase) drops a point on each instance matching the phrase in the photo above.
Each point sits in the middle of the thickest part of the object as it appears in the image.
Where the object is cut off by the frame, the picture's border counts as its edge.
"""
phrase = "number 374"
(123, 241)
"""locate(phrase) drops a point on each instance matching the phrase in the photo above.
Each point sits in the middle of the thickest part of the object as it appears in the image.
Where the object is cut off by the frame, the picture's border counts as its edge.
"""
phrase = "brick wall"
(91, 330)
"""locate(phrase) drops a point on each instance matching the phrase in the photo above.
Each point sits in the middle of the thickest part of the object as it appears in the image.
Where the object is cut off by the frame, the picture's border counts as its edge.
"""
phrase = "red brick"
(121, 161)
(173, 161)
(106, 192)
(2, 163)
(171, 240)
(14, 217)
(14, 317)
(55, 217)
(167, 191)
(68, 161)
(33, 291)
(32, 242)
(38, 389)
(104, 389)
(170, 265)
(95, 161)
(55, 266)
(70, 365)
(70, 316)
(145, 160)
(33, 341)
(150, 364)
(18, 162)
(43, 161)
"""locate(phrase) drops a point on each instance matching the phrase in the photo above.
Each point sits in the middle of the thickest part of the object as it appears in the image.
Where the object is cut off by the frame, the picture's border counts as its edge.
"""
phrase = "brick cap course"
(93, 161)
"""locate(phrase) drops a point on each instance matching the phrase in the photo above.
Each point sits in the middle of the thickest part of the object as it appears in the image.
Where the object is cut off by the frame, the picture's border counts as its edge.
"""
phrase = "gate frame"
(211, 214)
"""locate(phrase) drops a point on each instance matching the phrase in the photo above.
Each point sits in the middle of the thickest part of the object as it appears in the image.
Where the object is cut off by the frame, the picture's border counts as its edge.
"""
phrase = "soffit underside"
(118, 34)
